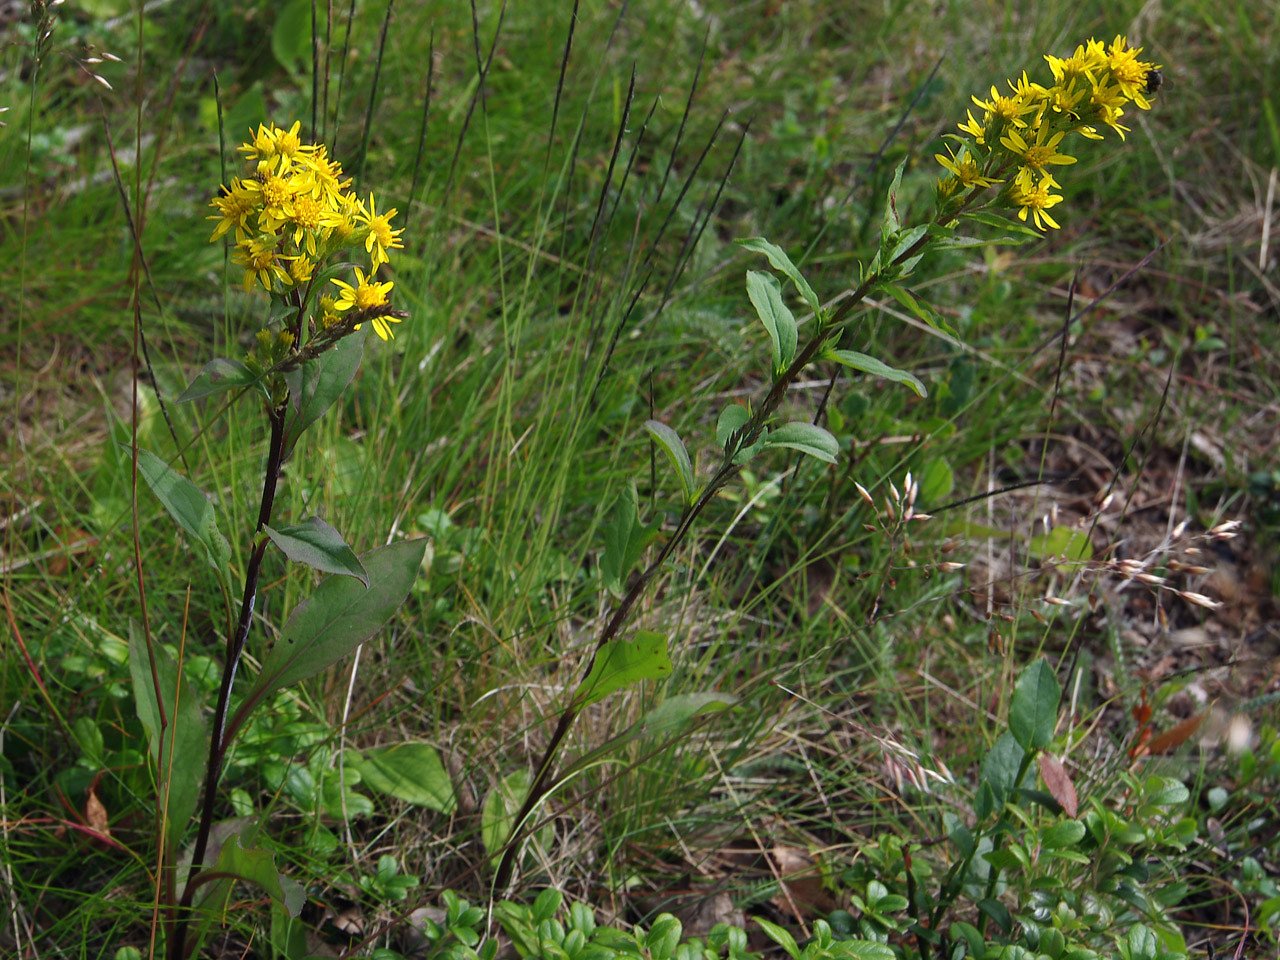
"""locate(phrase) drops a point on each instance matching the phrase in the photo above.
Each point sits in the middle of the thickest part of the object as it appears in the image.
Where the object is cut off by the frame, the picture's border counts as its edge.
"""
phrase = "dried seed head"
(1199, 599)
(1225, 531)
(862, 492)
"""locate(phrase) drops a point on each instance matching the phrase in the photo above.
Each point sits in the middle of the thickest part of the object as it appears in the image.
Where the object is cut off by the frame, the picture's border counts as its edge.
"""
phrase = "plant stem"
(235, 649)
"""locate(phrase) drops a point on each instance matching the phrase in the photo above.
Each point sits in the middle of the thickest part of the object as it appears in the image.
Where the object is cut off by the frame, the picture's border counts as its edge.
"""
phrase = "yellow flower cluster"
(294, 209)
(1020, 134)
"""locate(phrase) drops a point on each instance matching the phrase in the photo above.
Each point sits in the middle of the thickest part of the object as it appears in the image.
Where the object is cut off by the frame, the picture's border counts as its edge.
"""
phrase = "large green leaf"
(256, 866)
(868, 364)
(805, 437)
(625, 539)
(674, 448)
(781, 262)
(318, 545)
(765, 294)
(411, 772)
(188, 505)
(1033, 711)
(314, 386)
(333, 621)
(291, 34)
(621, 663)
(178, 742)
(999, 773)
(218, 376)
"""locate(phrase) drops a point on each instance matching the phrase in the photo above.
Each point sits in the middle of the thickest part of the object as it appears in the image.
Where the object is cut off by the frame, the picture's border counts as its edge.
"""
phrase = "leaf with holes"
(620, 663)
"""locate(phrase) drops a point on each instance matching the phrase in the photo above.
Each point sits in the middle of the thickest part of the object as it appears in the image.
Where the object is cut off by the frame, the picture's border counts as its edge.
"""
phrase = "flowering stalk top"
(291, 212)
(1021, 135)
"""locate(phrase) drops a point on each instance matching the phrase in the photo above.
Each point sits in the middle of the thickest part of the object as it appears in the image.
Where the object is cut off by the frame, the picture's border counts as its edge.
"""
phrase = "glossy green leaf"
(316, 385)
(1033, 711)
(318, 545)
(674, 448)
(218, 376)
(175, 730)
(877, 368)
(805, 437)
(411, 772)
(621, 663)
(1065, 833)
(778, 258)
(188, 505)
(625, 539)
(333, 621)
(765, 294)
(781, 936)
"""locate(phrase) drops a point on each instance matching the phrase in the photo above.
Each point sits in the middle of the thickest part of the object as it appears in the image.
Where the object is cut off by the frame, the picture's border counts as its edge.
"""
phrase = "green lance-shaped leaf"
(498, 813)
(1033, 711)
(218, 376)
(333, 621)
(178, 747)
(805, 437)
(188, 505)
(675, 712)
(625, 539)
(256, 866)
(620, 663)
(868, 364)
(411, 772)
(674, 448)
(318, 545)
(731, 418)
(766, 296)
(918, 308)
(782, 263)
(314, 386)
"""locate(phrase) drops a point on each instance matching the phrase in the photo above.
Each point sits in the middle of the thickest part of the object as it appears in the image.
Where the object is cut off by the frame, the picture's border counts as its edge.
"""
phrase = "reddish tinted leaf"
(1059, 783)
(1171, 739)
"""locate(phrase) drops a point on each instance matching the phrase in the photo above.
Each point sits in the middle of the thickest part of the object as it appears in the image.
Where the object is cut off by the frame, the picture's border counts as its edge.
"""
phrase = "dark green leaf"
(318, 545)
(314, 386)
(621, 663)
(998, 912)
(186, 504)
(179, 744)
(625, 539)
(805, 437)
(781, 262)
(333, 621)
(218, 376)
(1000, 767)
(731, 418)
(411, 772)
(766, 296)
(780, 936)
(1033, 711)
(256, 866)
(869, 364)
(674, 448)
(1064, 833)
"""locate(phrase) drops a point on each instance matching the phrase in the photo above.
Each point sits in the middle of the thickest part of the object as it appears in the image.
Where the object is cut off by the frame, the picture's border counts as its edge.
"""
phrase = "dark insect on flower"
(1155, 79)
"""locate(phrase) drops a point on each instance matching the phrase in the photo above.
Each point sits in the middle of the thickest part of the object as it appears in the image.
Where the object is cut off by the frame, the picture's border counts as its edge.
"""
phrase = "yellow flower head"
(1039, 152)
(234, 207)
(1131, 75)
(964, 168)
(381, 237)
(1034, 198)
(367, 294)
(261, 261)
(1007, 111)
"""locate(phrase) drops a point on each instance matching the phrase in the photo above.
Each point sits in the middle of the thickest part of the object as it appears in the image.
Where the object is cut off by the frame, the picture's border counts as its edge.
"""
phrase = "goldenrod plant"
(999, 171)
(292, 218)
